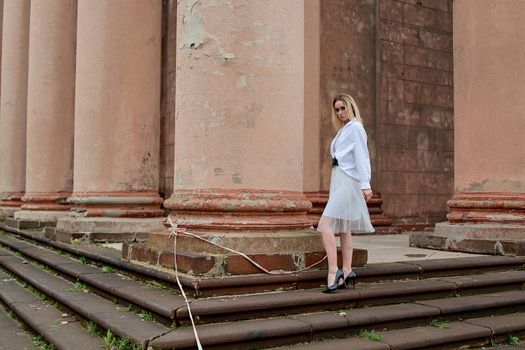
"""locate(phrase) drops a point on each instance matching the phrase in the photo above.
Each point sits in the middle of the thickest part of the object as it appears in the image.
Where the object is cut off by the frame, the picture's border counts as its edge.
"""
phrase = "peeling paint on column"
(194, 27)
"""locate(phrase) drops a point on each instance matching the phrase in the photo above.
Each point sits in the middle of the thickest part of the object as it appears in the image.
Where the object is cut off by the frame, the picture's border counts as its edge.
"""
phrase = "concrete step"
(171, 309)
(162, 302)
(61, 329)
(469, 333)
(78, 300)
(307, 327)
(232, 308)
(387, 297)
(12, 336)
(206, 287)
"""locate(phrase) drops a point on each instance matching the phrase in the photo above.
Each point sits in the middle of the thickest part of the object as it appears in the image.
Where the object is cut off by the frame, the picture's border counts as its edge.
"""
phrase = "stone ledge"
(479, 239)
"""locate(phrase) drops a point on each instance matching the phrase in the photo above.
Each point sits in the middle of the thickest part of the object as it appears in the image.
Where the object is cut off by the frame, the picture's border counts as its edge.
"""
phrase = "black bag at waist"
(334, 162)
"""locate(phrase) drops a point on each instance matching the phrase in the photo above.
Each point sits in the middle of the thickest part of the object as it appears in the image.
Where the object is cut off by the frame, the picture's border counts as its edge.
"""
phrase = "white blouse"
(350, 149)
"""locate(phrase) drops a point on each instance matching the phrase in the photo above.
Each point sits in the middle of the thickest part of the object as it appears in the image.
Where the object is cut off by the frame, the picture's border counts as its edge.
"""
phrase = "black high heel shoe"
(338, 276)
(351, 277)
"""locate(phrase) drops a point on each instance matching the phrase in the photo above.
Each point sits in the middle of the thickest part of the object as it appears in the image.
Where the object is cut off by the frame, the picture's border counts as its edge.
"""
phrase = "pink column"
(487, 211)
(13, 97)
(239, 135)
(51, 107)
(117, 116)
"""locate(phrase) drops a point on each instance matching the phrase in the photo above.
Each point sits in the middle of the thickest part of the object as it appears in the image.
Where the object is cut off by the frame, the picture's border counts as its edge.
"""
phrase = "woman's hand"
(367, 194)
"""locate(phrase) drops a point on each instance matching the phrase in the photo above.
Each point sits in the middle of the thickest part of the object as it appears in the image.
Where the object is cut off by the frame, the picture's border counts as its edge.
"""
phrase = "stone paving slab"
(401, 289)
(58, 328)
(12, 337)
(507, 347)
(231, 333)
(423, 337)
(10, 291)
(161, 302)
(476, 302)
(482, 262)
(33, 275)
(353, 343)
(494, 278)
(14, 243)
(501, 324)
(389, 313)
(389, 270)
(267, 301)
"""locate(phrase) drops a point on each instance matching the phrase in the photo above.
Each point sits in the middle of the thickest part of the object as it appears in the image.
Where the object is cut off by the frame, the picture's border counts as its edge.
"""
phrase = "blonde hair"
(350, 107)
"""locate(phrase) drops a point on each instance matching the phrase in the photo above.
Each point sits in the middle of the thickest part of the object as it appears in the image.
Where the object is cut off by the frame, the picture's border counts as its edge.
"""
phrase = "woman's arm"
(362, 157)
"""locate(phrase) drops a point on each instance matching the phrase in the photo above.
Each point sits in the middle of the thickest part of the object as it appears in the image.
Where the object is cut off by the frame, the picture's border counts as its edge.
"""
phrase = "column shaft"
(51, 107)
(487, 211)
(117, 116)
(240, 133)
(238, 139)
(13, 97)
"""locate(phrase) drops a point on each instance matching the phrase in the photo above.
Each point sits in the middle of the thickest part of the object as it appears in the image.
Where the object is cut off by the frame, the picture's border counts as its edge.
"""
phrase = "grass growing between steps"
(41, 343)
(440, 324)
(111, 342)
(370, 335)
(513, 340)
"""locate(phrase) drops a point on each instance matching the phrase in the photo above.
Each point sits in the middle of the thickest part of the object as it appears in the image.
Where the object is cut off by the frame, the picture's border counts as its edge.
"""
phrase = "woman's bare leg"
(331, 253)
(347, 252)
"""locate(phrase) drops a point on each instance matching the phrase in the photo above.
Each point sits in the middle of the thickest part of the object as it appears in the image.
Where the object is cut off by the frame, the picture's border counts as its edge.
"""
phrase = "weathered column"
(239, 139)
(50, 111)
(13, 97)
(117, 114)
(487, 211)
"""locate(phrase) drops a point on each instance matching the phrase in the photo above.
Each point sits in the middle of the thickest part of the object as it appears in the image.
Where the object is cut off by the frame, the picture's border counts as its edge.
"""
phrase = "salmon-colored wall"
(489, 67)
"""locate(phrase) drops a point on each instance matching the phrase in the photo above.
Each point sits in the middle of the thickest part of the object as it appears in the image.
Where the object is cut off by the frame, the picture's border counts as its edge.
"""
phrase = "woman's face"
(341, 111)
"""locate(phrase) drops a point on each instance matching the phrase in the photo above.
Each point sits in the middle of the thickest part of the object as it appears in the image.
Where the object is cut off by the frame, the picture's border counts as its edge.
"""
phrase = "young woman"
(346, 210)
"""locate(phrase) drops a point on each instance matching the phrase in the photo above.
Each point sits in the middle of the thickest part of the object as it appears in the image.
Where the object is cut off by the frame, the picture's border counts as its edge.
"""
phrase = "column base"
(105, 229)
(481, 238)
(10, 203)
(480, 222)
(6, 211)
(32, 219)
(276, 251)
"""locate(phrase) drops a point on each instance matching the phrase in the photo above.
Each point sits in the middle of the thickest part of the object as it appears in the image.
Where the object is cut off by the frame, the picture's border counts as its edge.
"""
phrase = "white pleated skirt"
(346, 210)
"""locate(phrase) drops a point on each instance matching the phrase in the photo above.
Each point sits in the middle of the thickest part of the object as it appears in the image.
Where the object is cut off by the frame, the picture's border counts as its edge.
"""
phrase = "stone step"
(232, 308)
(60, 329)
(83, 303)
(456, 335)
(171, 308)
(306, 327)
(159, 301)
(205, 287)
(401, 301)
(12, 336)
